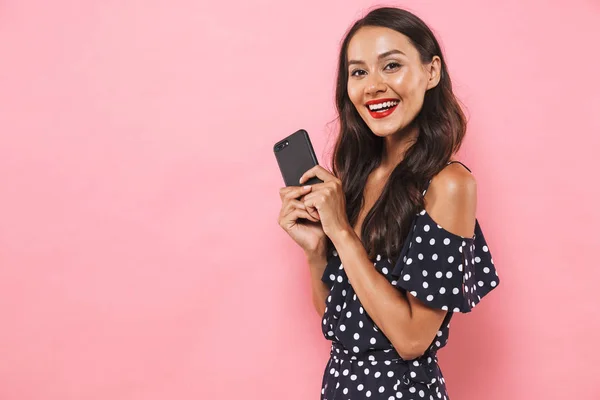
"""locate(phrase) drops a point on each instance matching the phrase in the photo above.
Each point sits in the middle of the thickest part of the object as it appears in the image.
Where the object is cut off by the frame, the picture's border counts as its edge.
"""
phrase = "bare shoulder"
(451, 200)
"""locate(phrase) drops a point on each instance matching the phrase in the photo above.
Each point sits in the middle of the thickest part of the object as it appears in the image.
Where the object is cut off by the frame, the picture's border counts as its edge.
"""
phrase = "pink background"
(140, 257)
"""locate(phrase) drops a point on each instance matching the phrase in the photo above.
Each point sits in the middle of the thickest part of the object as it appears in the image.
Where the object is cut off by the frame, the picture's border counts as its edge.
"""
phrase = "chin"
(385, 130)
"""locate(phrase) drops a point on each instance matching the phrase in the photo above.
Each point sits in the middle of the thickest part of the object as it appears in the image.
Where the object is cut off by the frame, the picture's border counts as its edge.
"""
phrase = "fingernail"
(306, 187)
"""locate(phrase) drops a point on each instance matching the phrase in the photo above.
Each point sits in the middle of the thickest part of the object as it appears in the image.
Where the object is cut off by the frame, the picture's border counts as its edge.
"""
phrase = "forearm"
(385, 304)
(320, 291)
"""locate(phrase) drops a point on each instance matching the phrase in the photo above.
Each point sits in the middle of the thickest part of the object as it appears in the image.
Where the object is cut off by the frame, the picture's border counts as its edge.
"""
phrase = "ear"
(435, 72)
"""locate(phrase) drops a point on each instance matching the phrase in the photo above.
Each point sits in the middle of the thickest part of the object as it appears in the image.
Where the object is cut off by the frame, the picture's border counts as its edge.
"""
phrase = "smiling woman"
(393, 233)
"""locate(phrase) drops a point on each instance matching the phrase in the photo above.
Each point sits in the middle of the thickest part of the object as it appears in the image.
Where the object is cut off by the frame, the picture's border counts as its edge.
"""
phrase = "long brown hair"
(441, 127)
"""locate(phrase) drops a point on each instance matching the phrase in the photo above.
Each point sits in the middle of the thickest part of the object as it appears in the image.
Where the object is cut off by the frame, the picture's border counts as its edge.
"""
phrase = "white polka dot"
(413, 374)
(342, 327)
(449, 274)
(360, 387)
(421, 393)
(384, 270)
(426, 228)
(368, 393)
(418, 239)
(377, 374)
(332, 371)
(356, 336)
(460, 267)
(432, 241)
(425, 285)
(348, 314)
(373, 340)
(480, 283)
(378, 257)
(430, 297)
(361, 310)
(445, 308)
(412, 389)
(355, 349)
(414, 293)
(406, 277)
(360, 324)
(409, 261)
(456, 309)
(477, 259)
(438, 274)
(390, 373)
(343, 292)
(346, 372)
(485, 248)
(450, 259)
(420, 256)
(424, 273)
(446, 241)
(332, 277)
(486, 270)
(442, 290)
(382, 389)
(366, 371)
(493, 283)
(340, 279)
(353, 377)
(338, 308)
(394, 283)
(398, 395)
(434, 257)
(345, 390)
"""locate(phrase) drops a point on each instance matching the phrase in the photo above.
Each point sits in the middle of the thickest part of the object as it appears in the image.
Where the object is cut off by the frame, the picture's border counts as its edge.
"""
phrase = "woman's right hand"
(308, 233)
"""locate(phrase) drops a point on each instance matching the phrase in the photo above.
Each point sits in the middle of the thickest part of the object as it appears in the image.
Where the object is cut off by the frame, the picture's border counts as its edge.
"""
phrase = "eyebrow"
(382, 55)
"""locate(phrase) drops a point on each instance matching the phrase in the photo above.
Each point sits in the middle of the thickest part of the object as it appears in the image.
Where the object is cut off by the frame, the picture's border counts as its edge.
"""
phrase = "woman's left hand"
(329, 201)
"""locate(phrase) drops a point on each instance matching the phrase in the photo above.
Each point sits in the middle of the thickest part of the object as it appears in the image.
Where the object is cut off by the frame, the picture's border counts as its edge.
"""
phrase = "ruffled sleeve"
(444, 270)
(330, 273)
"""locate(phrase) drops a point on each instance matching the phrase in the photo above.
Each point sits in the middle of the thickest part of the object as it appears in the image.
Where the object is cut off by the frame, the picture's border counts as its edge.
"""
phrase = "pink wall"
(140, 256)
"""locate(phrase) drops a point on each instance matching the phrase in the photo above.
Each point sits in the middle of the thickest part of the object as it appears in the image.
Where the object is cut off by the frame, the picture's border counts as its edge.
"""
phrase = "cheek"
(354, 93)
(409, 88)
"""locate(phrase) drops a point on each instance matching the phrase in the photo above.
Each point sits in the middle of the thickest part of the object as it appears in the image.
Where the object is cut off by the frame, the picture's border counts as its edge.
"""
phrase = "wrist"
(343, 236)
(316, 253)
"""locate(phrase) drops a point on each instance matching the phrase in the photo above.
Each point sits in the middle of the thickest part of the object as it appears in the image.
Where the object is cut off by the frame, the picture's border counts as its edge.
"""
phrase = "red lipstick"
(381, 114)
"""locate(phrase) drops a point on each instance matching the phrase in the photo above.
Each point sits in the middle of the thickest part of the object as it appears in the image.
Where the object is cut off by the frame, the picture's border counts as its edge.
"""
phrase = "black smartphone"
(295, 155)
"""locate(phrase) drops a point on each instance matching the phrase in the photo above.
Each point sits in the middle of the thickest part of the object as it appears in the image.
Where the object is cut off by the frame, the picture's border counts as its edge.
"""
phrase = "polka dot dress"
(445, 271)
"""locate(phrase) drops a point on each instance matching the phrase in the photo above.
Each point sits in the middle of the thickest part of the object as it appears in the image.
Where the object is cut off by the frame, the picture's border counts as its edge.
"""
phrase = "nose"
(375, 84)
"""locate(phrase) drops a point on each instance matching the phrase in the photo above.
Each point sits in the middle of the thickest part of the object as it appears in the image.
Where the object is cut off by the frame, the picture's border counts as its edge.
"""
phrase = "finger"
(293, 192)
(313, 212)
(294, 204)
(319, 172)
(298, 213)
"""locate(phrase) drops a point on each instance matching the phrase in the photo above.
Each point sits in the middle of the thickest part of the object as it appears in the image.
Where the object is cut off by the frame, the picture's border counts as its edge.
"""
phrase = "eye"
(353, 73)
(393, 64)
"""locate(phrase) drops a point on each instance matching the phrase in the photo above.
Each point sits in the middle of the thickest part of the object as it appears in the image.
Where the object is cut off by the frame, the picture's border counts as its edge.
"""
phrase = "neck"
(396, 145)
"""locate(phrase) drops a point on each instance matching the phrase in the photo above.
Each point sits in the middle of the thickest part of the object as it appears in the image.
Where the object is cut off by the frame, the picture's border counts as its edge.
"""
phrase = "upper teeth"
(378, 106)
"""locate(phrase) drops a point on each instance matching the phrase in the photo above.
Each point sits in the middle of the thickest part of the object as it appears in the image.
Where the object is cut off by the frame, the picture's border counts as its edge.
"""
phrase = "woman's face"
(386, 79)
